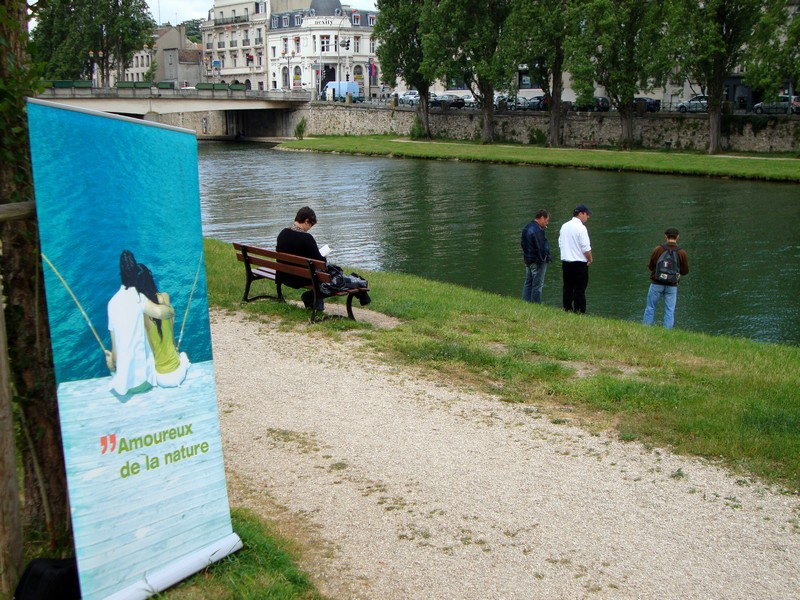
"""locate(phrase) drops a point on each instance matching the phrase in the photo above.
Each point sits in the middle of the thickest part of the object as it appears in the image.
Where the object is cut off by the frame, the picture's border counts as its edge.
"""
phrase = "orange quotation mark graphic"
(108, 440)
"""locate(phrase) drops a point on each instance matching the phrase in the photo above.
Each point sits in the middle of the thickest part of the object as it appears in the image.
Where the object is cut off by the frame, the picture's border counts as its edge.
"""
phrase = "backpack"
(668, 266)
(341, 282)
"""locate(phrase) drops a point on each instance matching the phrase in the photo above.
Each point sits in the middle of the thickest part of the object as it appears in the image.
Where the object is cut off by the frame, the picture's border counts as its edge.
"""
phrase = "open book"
(325, 250)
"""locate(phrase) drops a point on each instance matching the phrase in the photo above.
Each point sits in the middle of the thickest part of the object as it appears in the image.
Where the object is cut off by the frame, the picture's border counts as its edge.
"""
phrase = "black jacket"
(299, 243)
(535, 247)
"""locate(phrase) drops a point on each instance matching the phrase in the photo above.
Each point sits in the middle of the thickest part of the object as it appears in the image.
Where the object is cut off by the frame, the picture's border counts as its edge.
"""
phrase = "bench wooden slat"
(262, 263)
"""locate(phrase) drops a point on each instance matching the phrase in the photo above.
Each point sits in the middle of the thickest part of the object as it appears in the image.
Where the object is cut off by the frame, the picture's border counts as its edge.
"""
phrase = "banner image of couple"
(118, 206)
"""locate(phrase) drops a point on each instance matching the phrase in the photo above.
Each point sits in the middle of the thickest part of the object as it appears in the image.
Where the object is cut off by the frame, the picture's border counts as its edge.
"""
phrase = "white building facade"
(290, 45)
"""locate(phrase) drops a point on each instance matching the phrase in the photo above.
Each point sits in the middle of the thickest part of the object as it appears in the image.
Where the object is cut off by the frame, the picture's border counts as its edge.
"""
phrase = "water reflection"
(460, 222)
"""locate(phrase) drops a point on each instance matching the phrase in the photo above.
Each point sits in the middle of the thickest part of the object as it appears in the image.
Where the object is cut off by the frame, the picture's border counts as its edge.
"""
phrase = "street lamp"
(289, 79)
(92, 64)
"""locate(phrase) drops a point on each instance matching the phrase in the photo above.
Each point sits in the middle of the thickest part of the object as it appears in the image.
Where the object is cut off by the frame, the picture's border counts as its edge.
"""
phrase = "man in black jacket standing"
(296, 240)
(536, 253)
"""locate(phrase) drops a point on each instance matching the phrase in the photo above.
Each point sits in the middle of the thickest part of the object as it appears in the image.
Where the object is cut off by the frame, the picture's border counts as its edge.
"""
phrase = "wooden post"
(10, 530)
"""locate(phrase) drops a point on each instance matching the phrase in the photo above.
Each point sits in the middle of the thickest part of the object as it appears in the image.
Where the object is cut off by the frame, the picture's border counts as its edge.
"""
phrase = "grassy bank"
(723, 398)
(730, 400)
(263, 568)
(663, 162)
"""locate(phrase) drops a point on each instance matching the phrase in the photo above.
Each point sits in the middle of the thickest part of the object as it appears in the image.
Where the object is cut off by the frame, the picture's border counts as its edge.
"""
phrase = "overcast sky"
(177, 11)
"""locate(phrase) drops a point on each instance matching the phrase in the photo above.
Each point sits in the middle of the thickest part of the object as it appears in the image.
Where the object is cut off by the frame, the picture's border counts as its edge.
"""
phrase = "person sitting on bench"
(296, 240)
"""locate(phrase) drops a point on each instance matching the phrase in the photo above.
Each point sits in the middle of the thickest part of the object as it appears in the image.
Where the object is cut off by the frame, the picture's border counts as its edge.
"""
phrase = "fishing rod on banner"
(189, 302)
(75, 299)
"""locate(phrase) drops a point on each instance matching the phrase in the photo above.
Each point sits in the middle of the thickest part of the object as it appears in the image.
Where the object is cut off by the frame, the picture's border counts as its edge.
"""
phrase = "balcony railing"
(234, 43)
(209, 45)
(245, 42)
(220, 44)
(260, 41)
(231, 20)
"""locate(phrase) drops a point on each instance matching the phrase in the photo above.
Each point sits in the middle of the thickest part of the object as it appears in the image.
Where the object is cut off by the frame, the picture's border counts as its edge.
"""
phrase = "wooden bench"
(260, 263)
(587, 144)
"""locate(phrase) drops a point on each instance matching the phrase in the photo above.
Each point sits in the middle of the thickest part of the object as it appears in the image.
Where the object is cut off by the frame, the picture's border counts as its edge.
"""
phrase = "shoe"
(308, 299)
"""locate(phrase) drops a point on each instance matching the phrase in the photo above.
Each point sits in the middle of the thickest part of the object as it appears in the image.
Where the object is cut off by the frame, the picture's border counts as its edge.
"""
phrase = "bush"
(300, 129)
(417, 131)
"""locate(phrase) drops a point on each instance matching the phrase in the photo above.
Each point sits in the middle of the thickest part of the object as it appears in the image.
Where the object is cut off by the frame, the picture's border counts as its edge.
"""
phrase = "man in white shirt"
(576, 256)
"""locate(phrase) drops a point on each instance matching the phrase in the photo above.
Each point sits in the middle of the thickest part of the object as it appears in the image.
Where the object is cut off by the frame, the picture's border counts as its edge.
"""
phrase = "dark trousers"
(576, 278)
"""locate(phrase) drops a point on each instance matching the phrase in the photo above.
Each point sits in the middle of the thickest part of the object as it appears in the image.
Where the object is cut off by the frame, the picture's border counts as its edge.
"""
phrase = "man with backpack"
(668, 263)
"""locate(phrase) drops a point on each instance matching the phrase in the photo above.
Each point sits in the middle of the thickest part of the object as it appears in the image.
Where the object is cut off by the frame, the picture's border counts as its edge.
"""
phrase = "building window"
(298, 20)
(274, 53)
(325, 43)
(296, 79)
(371, 46)
(170, 59)
(371, 20)
(274, 24)
(297, 45)
(285, 20)
(356, 19)
(233, 59)
(314, 44)
(285, 45)
(357, 43)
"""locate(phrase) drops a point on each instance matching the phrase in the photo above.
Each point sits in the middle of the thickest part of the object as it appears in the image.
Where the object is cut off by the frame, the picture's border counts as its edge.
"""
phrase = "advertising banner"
(118, 206)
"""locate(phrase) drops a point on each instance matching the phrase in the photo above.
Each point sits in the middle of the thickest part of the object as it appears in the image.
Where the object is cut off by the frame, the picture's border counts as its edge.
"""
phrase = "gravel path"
(399, 486)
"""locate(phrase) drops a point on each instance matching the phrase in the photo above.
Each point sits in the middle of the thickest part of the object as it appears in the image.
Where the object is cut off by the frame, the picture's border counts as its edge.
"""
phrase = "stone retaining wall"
(741, 133)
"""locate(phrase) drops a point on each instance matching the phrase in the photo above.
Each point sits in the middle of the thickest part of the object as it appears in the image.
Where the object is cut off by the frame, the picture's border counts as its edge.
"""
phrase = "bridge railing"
(218, 90)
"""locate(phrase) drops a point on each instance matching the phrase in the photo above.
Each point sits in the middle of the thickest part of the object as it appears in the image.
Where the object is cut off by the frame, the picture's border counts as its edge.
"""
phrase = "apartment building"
(290, 45)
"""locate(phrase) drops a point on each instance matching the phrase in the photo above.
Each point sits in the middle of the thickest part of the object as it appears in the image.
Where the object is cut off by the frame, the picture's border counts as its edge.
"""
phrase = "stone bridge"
(210, 112)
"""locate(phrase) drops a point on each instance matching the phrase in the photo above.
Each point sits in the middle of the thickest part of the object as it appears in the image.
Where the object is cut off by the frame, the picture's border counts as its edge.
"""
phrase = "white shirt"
(573, 241)
(135, 363)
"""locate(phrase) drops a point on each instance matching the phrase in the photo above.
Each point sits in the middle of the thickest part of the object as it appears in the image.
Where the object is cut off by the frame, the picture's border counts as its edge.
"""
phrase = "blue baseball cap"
(582, 208)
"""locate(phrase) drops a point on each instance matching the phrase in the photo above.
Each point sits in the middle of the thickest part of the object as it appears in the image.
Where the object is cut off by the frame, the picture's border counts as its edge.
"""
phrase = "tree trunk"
(424, 112)
(25, 312)
(554, 133)
(487, 108)
(10, 531)
(626, 122)
(714, 129)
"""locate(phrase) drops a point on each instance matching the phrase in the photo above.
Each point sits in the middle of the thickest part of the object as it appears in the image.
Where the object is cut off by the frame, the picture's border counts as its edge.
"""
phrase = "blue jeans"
(534, 282)
(670, 295)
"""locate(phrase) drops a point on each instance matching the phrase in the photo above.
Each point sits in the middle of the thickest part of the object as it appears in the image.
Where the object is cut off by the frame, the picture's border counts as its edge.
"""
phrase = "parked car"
(521, 103)
(470, 101)
(410, 97)
(694, 104)
(453, 100)
(538, 103)
(650, 104)
(784, 104)
(598, 104)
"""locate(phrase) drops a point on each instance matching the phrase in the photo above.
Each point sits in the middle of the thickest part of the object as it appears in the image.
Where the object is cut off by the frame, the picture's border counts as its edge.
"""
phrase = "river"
(461, 222)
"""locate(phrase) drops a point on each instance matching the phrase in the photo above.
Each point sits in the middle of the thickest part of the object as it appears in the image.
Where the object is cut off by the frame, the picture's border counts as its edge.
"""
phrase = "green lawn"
(723, 398)
(669, 162)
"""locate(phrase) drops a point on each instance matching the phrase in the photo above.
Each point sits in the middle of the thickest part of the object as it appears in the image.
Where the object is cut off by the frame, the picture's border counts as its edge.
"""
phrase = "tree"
(113, 30)
(714, 34)
(461, 41)
(32, 377)
(400, 48)
(536, 33)
(192, 28)
(621, 46)
(773, 56)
